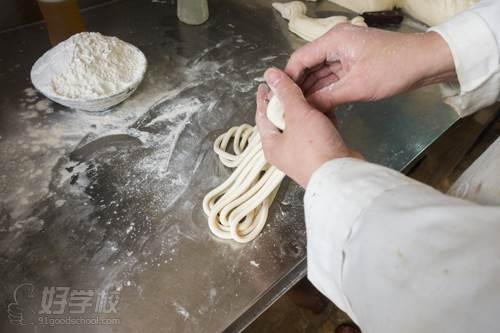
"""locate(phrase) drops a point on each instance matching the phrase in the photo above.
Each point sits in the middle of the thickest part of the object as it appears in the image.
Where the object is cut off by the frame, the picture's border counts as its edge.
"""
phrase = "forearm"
(381, 244)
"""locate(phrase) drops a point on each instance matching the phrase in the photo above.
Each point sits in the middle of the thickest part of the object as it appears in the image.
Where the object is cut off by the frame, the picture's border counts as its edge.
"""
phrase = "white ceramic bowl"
(97, 104)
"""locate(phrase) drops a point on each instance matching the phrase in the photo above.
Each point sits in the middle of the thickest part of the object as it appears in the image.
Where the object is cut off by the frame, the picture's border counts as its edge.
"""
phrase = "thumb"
(270, 136)
(264, 125)
(290, 95)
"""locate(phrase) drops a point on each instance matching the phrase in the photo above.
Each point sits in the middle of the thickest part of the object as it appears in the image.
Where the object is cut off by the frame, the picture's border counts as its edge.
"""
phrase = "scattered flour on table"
(88, 65)
(181, 114)
(181, 310)
(253, 263)
(51, 132)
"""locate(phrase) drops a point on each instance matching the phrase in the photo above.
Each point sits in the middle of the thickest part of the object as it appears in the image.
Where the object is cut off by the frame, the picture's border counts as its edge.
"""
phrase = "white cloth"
(481, 181)
(474, 39)
(399, 256)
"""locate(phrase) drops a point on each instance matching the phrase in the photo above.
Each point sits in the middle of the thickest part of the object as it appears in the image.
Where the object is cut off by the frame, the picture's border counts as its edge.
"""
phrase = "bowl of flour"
(89, 71)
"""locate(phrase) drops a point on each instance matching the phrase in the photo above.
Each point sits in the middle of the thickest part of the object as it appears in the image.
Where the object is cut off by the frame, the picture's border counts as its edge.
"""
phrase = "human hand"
(351, 63)
(309, 139)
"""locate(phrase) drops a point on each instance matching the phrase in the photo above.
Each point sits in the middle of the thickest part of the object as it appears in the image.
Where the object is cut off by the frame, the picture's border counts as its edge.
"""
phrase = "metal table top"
(111, 202)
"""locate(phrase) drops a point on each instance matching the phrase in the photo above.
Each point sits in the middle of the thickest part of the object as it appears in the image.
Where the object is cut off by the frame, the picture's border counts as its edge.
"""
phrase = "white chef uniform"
(399, 256)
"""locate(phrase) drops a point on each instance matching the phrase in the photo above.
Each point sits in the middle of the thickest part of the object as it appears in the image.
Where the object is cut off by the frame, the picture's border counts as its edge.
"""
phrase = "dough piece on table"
(238, 208)
(434, 12)
(361, 6)
(290, 9)
(306, 27)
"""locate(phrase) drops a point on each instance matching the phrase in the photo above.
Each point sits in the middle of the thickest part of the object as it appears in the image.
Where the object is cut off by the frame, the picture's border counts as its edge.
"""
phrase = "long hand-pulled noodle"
(238, 208)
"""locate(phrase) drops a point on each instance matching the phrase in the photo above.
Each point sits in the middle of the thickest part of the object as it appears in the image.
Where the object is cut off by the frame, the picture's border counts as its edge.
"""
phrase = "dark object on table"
(347, 328)
(387, 18)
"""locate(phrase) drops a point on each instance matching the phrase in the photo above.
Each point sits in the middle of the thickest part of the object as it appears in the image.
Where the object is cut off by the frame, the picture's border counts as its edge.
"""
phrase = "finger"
(335, 66)
(264, 125)
(308, 71)
(263, 97)
(312, 77)
(322, 83)
(288, 93)
(270, 136)
(335, 94)
(307, 57)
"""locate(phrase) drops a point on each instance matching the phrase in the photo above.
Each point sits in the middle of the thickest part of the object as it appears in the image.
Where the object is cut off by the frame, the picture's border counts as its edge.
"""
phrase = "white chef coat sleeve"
(399, 256)
(474, 38)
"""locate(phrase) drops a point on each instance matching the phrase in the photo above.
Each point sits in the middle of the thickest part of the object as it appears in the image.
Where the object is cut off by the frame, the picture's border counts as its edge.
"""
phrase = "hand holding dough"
(238, 208)
(309, 28)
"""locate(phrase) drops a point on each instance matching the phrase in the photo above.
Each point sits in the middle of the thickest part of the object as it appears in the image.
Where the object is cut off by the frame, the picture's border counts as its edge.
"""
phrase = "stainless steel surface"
(112, 201)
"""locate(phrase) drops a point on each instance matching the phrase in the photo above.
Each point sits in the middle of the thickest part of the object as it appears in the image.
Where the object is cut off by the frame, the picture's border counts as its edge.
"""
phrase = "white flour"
(88, 65)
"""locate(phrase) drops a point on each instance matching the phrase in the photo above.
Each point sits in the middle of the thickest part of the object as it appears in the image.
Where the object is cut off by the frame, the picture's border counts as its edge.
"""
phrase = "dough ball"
(275, 113)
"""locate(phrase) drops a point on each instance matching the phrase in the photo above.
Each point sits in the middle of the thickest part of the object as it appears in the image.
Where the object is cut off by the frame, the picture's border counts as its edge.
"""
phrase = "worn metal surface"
(111, 201)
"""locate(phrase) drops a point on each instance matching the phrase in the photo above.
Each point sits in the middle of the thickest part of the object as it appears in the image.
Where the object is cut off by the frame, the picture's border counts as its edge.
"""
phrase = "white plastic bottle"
(192, 12)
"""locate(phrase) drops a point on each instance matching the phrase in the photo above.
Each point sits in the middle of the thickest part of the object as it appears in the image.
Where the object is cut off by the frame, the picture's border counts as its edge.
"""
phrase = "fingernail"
(272, 76)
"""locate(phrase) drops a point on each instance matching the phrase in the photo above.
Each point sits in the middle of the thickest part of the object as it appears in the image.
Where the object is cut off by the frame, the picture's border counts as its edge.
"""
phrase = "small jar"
(62, 18)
